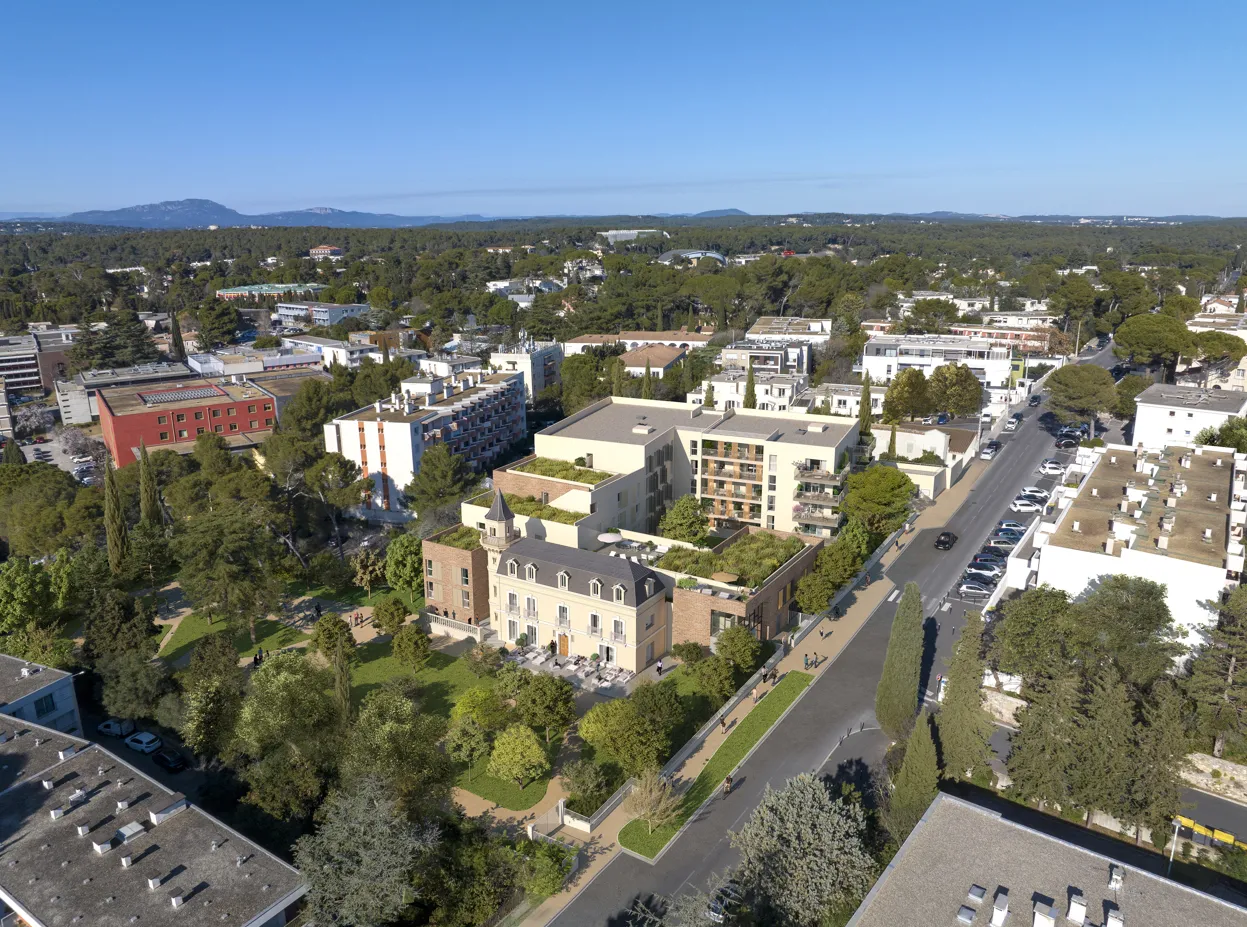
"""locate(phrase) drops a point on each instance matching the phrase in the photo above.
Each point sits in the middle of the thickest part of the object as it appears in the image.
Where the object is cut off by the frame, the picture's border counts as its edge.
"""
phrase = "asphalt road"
(831, 729)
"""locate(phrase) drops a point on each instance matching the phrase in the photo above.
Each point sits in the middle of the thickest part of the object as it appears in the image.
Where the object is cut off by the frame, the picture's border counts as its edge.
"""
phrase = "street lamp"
(1173, 849)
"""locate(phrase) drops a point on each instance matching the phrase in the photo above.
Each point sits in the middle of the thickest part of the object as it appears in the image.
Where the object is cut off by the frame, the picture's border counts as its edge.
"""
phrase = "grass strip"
(748, 731)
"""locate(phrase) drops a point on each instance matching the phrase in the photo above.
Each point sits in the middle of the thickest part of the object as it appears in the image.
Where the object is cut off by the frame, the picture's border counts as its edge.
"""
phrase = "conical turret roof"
(499, 511)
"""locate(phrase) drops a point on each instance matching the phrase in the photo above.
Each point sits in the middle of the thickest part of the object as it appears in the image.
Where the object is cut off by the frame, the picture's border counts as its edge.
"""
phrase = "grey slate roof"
(499, 511)
(582, 567)
(959, 845)
(14, 686)
(60, 877)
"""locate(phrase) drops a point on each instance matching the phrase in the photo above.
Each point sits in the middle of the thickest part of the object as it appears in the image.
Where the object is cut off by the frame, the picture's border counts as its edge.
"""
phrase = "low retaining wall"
(459, 630)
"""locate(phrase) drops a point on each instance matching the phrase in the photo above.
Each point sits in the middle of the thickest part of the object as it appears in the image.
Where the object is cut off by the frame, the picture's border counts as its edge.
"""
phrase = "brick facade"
(443, 580)
(527, 484)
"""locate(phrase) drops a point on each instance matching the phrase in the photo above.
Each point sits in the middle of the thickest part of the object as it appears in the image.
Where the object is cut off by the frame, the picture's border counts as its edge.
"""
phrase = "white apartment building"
(633, 340)
(447, 365)
(312, 313)
(656, 358)
(331, 351)
(1196, 373)
(1174, 415)
(884, 356)
(32, 692)
(790, 328)
(537, 362)
(773, 392)
(844, 399)
(478, 417)
(1175, 517)
(768, 356)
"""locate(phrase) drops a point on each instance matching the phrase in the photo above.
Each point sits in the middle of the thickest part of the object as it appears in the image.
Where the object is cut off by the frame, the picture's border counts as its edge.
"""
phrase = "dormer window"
(619, 593)
(649, 588)
(512, 568)
(530, 573)
(564, 579)
(595, 587)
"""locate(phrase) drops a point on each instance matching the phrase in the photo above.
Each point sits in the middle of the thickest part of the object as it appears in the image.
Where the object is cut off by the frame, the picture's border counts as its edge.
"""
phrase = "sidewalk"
(826, 640)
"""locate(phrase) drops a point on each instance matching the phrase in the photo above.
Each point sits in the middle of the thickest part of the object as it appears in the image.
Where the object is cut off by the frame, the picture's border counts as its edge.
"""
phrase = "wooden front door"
(562, 645)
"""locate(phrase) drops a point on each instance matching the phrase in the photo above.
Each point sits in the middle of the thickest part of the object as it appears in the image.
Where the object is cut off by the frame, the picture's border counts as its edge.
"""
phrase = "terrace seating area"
(581, 672)
(636, 551)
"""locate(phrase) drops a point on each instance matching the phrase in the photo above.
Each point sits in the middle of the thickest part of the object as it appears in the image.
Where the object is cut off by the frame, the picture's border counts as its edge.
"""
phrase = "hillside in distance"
(194, 213)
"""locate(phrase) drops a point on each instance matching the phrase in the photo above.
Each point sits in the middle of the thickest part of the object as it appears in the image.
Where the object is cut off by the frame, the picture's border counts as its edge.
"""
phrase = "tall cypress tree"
(1043, 753)
(892, 442)
(751, 392)
(647, 385)
(1162, 749)
(708, 399)
(1218, 682)
(617, 378)
(149, 496)
(115, 522)
(176, 347)
(1104, 776)
(13, 453)
(964, 726)
(864, 418)
(916, 784)
(896, 698)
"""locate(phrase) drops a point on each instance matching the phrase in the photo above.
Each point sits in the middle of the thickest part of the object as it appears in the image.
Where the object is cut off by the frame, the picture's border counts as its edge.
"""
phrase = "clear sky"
(442, 108)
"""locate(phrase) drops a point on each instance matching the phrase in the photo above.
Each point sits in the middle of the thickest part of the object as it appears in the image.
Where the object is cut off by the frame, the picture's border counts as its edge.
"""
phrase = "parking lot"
(49, 452)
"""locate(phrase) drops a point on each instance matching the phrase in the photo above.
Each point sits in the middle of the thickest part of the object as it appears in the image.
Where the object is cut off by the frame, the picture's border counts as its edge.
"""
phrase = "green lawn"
(354, 596)
(441, 681)
(507, 793)
(740, 741)
(270, 634)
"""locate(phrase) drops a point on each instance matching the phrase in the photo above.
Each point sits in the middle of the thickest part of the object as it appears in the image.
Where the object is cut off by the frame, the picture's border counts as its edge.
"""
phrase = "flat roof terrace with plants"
(563, 470)
(751, 559)
(464, 537)
(531, 507)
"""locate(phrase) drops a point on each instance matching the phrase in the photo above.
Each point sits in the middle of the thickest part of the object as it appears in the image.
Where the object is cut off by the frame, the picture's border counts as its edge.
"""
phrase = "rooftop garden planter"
(562, 470)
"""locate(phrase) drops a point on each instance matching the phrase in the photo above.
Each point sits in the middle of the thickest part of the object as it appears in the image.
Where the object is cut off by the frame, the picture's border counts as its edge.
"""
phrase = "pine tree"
(864, 417)
(892, 443)
(1104, 776)
(708, 400)
(647, 385)
(443, 478)
(1162, 749)
(751, 391)
(149, 494)
(916, 784)
(964, 726)
(176, 346)
(13, 453)
(1043, 753)
(617, 378)
(896, 698)
(1218, 681)
(115, 522)
(824, 407)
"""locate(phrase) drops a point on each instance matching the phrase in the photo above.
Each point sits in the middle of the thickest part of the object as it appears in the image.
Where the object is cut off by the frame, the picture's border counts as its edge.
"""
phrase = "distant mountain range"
(190, 214)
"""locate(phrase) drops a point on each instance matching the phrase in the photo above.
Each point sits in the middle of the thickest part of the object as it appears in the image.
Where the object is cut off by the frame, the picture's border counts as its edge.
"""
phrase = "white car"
(116, 727)
(1010, 526)
(143, 742)
(1012, 424)
(1034, 491)
(1025, 505)
(1052, 468)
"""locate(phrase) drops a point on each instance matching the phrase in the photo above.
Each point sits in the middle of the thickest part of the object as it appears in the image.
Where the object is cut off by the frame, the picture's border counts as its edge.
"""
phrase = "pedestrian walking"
(805, 660)
(755, 695)
(817, 660)
(660, 669)
(723, 724)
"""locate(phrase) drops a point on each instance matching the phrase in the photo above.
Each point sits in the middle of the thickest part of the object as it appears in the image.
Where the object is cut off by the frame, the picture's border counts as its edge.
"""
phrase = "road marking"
(895, 593)
(946, 607)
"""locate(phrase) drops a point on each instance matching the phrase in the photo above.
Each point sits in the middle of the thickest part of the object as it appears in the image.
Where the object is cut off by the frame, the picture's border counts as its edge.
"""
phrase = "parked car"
(984, 562)
(1034, 400)
(1021, 504)
(144, 742)
(990, 450)
(992, 569)
(169, 760)
(1005, 544)
(728, 899)
(1052, 468)
(992, 554)
(983, 579)
(1012, 424)
(1007, 535)
(974, 590)
(945, 540)
(943, 419)
(1065, 443)
(116, 727)
(1035, 491)
(1010, 525)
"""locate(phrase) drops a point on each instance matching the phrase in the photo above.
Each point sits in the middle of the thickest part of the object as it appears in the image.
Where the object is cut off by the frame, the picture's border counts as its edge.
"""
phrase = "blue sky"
(426, 108)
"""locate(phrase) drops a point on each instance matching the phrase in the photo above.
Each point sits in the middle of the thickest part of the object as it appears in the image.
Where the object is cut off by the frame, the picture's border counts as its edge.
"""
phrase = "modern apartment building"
(884, 356)
(477, 417)
(1174, 415)
(31, 692)
(768, 356)
(331, 350)
(168, 417)
(312, 313)
(843, 399)
(1176, 517)
(633, 340)
(258, 291)
(791, 328)
(773, 392)
(19, 362)
(537, 362)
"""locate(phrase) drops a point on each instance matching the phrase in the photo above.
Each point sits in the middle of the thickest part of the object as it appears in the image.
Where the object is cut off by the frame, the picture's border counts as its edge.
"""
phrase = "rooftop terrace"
(189, 394)
(1176, 504)
(421, 406)
(563, 470)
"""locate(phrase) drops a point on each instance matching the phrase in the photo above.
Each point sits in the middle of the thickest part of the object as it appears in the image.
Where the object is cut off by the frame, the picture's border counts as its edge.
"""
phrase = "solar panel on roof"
(182, 395)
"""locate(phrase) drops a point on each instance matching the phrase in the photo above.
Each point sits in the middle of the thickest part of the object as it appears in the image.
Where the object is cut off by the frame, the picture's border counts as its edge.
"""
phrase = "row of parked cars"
(144, 742)
(988, 565)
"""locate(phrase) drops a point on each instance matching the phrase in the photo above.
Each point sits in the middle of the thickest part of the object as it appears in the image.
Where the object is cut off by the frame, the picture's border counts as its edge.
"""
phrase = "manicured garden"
(270, 635)
(464, 537)
(752, 558)
(746, 734)
(563, 470)
(533, 508)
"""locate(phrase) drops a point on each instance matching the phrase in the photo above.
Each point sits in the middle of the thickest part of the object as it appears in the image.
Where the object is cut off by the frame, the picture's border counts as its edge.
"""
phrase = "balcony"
(564, 621)
(513, 611)
(596, 633)
(818, 517)
(530, 614)
(810, 474)
(618, 638)
(819, 498)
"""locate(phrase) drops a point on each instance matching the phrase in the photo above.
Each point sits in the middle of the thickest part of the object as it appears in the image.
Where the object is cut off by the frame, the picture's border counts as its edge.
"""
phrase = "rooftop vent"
(29, 671)
(1077, 909)
(129, 831)
(177, 802)
(1116, 876)
(977, 894)
(67, 752)
(177, 898)
(153, 883)
(1000, 907)
(57, 813)
(84, 829)
(1045, 915)
(1113, 919)
(126, 861)
(965, 915)
(49, 784)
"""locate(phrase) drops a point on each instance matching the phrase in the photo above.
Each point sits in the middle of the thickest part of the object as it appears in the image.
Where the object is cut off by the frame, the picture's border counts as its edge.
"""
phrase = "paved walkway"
(826, 640)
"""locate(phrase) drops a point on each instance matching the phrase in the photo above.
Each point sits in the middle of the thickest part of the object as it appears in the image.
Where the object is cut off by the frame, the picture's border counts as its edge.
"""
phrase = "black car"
(992, 554)
(168, 759)
(1064, 443)
(983, 579)
(945, 541)
(1034, 400)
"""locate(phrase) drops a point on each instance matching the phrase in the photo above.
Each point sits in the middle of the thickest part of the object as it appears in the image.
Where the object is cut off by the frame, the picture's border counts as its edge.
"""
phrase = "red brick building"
(172, 417)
